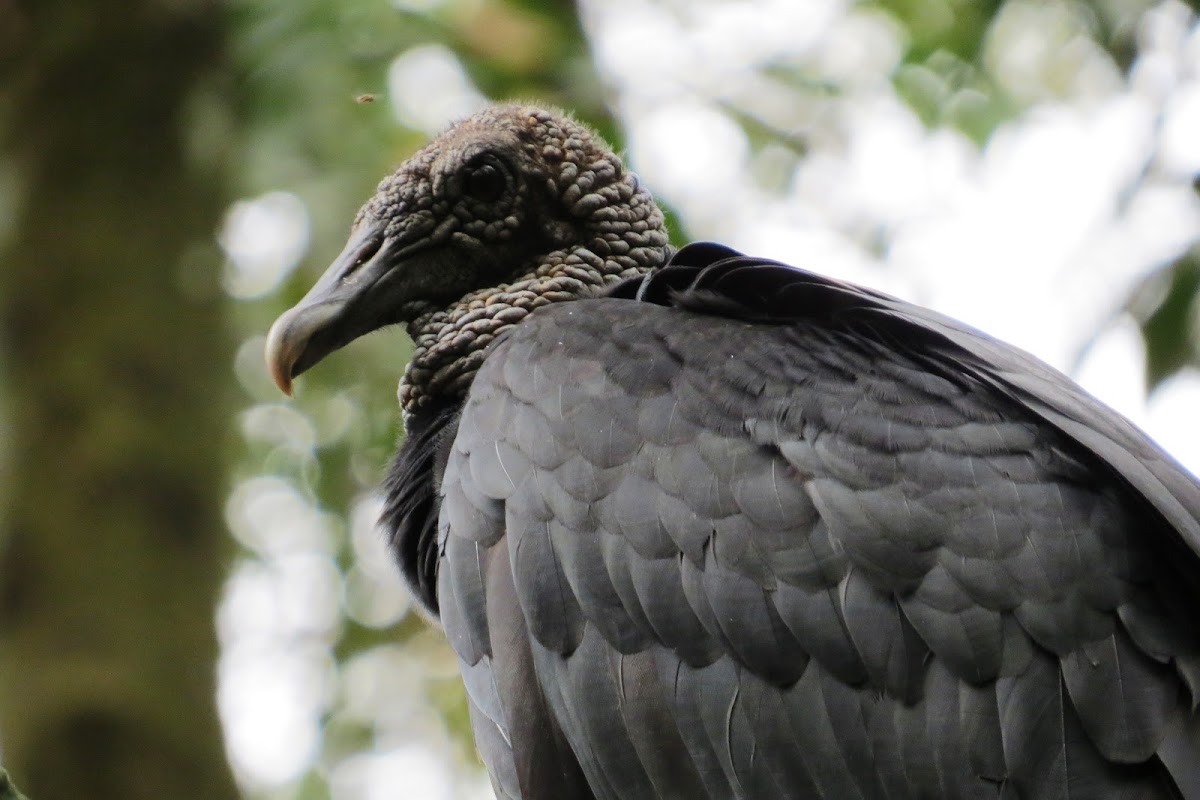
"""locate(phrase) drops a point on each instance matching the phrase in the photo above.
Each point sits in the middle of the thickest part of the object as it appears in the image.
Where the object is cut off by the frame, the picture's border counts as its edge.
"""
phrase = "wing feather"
(774, 535)
(1126, 700)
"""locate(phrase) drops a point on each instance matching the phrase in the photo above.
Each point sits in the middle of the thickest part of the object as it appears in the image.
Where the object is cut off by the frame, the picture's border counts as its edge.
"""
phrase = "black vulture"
(725, 528)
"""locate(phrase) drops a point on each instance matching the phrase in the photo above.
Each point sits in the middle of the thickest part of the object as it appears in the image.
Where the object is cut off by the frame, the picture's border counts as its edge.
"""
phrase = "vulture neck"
(449, 344)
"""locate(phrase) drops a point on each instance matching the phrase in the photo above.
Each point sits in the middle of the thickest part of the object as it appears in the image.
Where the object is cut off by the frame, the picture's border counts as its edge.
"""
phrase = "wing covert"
(804, 509)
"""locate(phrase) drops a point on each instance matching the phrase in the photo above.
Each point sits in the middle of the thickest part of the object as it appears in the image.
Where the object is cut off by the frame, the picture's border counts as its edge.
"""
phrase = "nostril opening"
(365, 253)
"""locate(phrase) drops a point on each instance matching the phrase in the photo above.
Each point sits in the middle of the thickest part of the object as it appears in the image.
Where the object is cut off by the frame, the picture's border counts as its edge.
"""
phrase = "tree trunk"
(115, 382)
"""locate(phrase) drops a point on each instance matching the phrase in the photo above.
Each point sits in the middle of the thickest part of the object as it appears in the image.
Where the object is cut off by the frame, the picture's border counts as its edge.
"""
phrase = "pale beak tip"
(280, 357)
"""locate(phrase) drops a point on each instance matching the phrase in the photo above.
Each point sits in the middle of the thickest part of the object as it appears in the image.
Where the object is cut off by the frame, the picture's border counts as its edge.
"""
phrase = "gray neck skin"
(628, 239)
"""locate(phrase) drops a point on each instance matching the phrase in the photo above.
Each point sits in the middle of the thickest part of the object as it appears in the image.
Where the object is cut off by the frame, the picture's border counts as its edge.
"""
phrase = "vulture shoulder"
(740, 530)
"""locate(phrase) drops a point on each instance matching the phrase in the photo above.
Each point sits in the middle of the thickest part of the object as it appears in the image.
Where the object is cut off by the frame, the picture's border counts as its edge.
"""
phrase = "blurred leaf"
(8, 791)
(761, 133)
(448, 697)
(1115, 26)
(533, 50)
(675, 227)
(956, 26)
(946, 90)
(311, 787)
(1166, 306)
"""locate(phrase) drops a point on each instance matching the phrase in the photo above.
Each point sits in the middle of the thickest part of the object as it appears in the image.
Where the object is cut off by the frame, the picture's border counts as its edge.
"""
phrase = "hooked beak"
(355, 296)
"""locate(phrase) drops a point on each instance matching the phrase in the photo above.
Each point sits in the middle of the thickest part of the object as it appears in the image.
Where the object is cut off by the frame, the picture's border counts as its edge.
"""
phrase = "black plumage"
(732, 529)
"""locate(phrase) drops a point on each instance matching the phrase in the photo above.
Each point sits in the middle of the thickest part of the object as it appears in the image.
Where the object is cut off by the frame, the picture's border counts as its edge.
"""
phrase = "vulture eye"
(485, 182)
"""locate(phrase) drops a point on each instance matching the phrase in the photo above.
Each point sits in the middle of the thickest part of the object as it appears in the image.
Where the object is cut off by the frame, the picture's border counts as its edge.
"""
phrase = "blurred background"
(194, 601)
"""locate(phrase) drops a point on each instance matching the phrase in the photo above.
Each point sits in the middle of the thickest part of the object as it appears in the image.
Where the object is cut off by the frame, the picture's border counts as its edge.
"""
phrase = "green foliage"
(8, 790)
(942, 75)
(957, 27)
(1167, 307)
(946, 90)
(946, 75)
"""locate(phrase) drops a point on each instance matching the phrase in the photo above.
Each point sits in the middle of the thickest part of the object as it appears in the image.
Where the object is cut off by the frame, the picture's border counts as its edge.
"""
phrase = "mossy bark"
(115, 364)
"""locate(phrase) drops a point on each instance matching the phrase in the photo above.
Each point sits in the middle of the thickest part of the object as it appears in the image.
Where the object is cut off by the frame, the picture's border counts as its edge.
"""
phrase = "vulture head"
(510, 209)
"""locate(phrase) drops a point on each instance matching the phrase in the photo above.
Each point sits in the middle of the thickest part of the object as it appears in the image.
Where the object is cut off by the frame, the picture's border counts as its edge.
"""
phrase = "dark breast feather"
(410, 512)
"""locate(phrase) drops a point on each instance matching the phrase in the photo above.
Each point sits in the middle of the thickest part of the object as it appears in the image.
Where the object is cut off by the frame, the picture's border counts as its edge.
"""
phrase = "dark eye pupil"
(485, 182)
